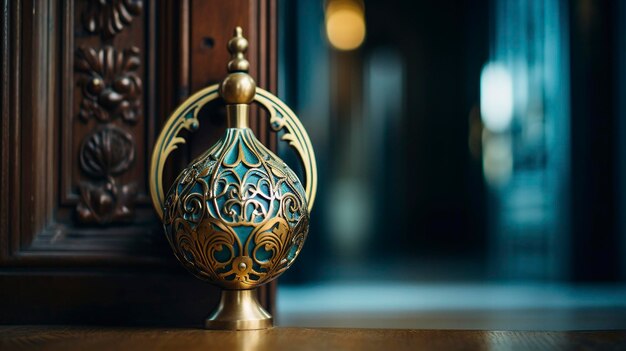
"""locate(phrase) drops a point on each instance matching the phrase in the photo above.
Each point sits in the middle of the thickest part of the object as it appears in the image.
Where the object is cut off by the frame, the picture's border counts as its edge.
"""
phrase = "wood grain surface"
(67, 339)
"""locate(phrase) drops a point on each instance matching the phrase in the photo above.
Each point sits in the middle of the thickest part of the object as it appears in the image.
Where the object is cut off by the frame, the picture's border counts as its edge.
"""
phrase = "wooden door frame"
(53, 269)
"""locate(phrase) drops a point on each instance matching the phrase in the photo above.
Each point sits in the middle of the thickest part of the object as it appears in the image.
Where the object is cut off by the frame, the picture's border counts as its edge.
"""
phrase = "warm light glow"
(345, 24)
(497, 159)
(496, 97)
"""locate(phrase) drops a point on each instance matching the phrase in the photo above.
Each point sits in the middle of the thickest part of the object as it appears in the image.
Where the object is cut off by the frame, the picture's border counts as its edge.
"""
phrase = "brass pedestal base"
(239, 310)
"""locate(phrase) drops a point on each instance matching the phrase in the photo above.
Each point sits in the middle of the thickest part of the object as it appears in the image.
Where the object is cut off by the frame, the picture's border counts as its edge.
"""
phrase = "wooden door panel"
(82, 135)
(85, 87)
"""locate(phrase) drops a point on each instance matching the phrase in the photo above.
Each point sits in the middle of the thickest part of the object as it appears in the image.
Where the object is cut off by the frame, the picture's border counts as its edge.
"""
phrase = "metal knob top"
(238, 87)
(237, 46)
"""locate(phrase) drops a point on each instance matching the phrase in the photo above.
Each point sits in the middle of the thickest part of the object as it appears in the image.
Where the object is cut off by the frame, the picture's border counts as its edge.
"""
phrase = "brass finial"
(238, 87)
(237, 46)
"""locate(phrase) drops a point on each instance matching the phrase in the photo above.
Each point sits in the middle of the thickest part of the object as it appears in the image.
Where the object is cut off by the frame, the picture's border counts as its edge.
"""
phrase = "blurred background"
(472, 162)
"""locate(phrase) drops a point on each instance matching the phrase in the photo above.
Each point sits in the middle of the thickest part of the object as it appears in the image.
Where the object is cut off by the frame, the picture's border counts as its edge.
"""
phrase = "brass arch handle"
(186, 117)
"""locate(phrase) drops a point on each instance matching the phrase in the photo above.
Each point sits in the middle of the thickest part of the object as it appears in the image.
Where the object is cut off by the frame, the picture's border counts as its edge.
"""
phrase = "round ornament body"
(237, 216)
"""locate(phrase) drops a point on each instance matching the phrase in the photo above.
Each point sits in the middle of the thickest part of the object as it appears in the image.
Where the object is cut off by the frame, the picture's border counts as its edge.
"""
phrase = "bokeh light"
(345, 24)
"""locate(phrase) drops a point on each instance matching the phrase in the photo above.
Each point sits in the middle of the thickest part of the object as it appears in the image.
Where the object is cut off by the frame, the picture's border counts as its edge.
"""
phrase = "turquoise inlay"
(233, 152)
(265, 187)
(285, 188)
(223, 255)
(243, 232)
(197, 188)
(263, 255)
(189, 114)
(251, 207)
(250, 157)
(292, 252)
(241, 170)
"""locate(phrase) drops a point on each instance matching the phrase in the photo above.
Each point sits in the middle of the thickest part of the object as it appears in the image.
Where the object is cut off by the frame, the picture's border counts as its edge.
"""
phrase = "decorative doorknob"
(237, 216)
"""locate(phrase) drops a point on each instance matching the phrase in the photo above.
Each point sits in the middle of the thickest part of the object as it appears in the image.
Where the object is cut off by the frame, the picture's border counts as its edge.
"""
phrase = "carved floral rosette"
(110, 83)
(237, 216)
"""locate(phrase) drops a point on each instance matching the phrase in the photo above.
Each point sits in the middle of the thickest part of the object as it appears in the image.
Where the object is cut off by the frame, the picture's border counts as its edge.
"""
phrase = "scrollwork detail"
(243, 196)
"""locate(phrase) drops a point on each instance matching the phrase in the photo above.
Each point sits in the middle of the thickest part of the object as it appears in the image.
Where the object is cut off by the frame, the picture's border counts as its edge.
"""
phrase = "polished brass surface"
(202, 225)
(237, 216)
(186, 117)
(282, 117)
(237, 46)
(239, 310)
(237, 116)
(238, 87)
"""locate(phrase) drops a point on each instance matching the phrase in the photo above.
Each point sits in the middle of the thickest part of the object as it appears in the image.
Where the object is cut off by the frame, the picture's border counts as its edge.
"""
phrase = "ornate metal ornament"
(237, 216)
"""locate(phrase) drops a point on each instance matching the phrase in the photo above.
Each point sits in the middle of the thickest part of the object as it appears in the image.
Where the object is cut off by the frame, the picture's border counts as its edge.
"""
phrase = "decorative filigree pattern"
(282, 118)
(110, 82)
(105, 153)
(237, 216)
(109, 17)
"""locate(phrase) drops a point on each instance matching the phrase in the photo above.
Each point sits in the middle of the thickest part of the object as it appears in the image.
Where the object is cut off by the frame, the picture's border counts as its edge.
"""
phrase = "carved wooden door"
(86, 85)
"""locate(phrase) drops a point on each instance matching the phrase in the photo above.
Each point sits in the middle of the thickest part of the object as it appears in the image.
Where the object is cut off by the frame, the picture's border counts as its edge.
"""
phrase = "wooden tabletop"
(94, 339)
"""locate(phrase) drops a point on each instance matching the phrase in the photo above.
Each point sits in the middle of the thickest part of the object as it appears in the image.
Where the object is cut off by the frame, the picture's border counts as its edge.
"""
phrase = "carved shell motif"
(107, 152)
(237, 216)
